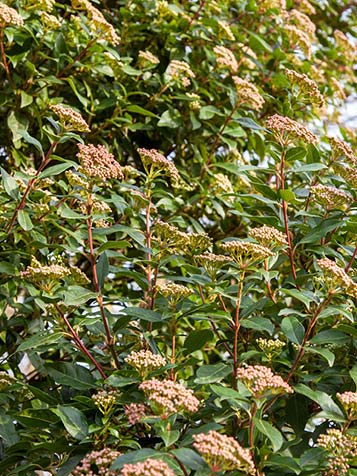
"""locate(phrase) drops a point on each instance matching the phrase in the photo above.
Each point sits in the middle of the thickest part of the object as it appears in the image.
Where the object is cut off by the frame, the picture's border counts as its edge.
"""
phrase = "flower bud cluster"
(267, 236)
(261, 381)
(149, 467)
(9, 16)
(302, 21)
(97, 463)
(308, 87)
(223, 453)
(222, 184)
(245, 253)
(265, 5)
(135, 412)
(173, 291)
(212, 262)
(298, 38)
(50, 21)
(287, 130)
(341, 149)
(348, 173)
(180, 71)
(76, 180)
(37, 272)
(349, 403)
(70, 120)
(172, 239)
(97, 21)
(225, 30)
(248, 93)
(167, 397)
(152, 159)
(147, 58)
(97, 162)
(338, 89)
(145, 361)
(105, 399)
(346, 48)
(5, 380)
(226, 58)
(337, 277)
(330, 197)
(271, 347)
(342, 448)
(44, 5)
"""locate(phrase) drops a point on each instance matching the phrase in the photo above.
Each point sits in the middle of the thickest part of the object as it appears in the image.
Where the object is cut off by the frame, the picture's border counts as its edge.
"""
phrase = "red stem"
(236, 328)
(349, 264)
(109, 339)
(75, 59)
(29, 187)
(80, 344)
(4, 60)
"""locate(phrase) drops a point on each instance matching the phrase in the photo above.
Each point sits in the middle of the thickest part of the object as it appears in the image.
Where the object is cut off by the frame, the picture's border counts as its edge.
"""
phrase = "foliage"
(177, 238)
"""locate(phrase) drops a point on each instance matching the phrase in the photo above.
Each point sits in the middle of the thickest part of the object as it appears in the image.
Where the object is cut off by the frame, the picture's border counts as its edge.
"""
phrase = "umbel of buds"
(105, 400)
(342, 448)
(9, 16)
(223, 453)
(262, 382)
(145, 361)
(268, 236)
(330, 197)
(245, 253)
(349, 402)
(96, 162)
(167, 397)
(153, 162)
(97, 462)
(287, 130)
(149, 467)
(336, 277)
(70, 120)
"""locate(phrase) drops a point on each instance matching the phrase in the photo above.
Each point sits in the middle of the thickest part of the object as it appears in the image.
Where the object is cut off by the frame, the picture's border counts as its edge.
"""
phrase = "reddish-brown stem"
(109, 339)
(236, 327)
(173, 347)
(4, 60)
(281, 186)
(148, 254)
(216, 140)
(270, 292)
(251, 424)
(29, 187)
(77, 340)
(75, 59)
(307, 334)
(213, 325)
(196, 15)
(350, 263)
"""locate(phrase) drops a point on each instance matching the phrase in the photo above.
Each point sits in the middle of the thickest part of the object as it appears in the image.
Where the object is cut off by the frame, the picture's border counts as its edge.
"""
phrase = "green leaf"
(304, 296)
(57, 169)
(26, 99)
(330, 336)
(140, 110)
(259, 324)
(295, 153)
(287, 195)
(293, 329)
(31, 140)
(207, 112)
(248, 123)
(102, 268)
(321, 230)
(73, 420)
(325, 401)
(272, 433)
(77, 295)
(7, 429)
(283, 462)
(197, 339)
(40, 340)
(189, 458)
(10, 185)
(132, 457)
(170, 118)
(143, 314)
(24, 220)
(212, 373)
(325, 353)
(114, 245)
(7, 268)
(73, 376)
(353, 373)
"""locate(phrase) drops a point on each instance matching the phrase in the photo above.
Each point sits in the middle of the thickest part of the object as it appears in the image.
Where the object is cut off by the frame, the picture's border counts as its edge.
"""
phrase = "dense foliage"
(178, 238)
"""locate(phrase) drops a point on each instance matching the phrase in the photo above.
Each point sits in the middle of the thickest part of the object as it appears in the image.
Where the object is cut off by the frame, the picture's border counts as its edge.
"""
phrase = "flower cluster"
(97, 162)
(248, 93)
(248, 56)
(135, 412)
(223, 453)
(147, 58)
(338, 89)
(97, 463)
(337, 277)
(50, 21)
(349, 403)
(97, 21)
(70, 120)
(299, 38)
(153, 160)
(211, 262)
(226, 58)
(307, 86)
(172, 239)
(222, 184)
(341, 149)
(348, 173)
(105, 400)
(271, 347)
(173, 291)
(180, 70)
(341, 447)
(37, 272)
(306, 7)
(145, 361)
(5, 380)
(286, 130)
(167, 397)
(194, 103)
(246, 253)
(265, 5)
(302, 21)
(344, 45)
(267, 235)
(9, 16)
(149, 467)
(44, 5)
(330, 197)
(261, 381)
(225, 30)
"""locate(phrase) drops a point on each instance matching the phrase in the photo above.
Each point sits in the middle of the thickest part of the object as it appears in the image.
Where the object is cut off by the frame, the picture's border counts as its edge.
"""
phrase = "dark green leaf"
(212, 373)
(73, 420)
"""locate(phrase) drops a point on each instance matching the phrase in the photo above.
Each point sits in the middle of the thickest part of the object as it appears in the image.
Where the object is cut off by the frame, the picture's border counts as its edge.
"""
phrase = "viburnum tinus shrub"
(178, 238)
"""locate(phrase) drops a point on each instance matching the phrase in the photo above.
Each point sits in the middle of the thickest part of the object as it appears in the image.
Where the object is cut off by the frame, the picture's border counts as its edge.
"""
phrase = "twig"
(108, 336)
(79, 342)
(236, 328)
(251, 425)
(29, 187)
(75, 59)
(349, 264)
(196, 15)
(4, 60)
